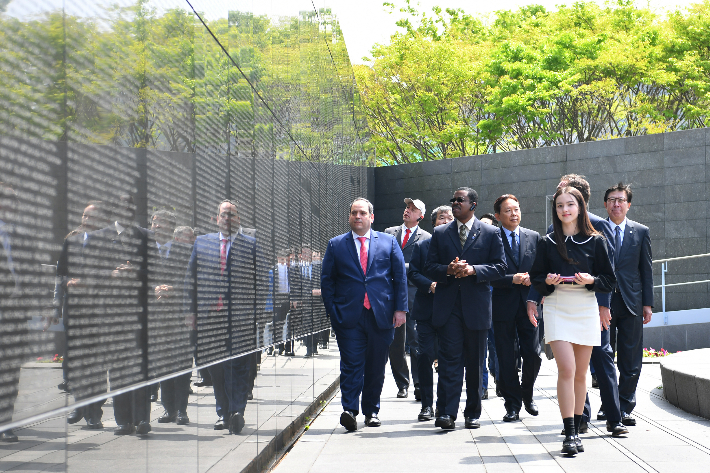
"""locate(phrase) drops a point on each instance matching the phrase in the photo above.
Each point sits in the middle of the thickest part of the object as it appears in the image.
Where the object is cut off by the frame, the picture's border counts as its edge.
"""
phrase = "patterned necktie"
(617, 244)
(363, 264)
(463, 234)
(223, 256)
(406, 238)
(515, 249)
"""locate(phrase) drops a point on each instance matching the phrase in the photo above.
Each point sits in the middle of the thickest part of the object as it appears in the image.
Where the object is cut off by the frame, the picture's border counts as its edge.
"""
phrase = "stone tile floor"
(665, 439)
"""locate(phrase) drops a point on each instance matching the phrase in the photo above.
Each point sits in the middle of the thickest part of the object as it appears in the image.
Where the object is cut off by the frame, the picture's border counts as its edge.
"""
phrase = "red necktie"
(406, 238)
(223, 256)
(363, 263)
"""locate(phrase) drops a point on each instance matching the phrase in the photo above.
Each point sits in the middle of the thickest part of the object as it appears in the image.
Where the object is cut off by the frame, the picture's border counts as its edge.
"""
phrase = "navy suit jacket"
(343, 285)
(423, 299)
(484, 251)
(507, 297)
(634, 272)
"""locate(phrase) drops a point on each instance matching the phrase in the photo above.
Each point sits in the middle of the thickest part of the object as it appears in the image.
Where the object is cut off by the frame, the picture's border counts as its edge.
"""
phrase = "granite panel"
(687, 392)
(684, 157)
(430, 168)
(526, 157)
(684, 139)
(594, 149)
(466, 164)
(684, 193)
(686, 211)
(643, 144)
(684, 174)
(432, 182)
(703, 387)
(686, 229)
(653, 336)
(698, 337)
(669, 387)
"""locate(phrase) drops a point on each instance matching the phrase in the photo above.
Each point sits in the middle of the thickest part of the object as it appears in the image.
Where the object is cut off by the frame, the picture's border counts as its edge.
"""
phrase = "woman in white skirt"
(571, 264)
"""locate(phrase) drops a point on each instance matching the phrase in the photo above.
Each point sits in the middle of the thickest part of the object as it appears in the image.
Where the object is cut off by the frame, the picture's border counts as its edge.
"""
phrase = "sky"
(364, 22)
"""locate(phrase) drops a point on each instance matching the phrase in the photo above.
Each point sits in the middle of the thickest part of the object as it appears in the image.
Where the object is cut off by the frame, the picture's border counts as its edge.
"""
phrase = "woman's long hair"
(584, 226)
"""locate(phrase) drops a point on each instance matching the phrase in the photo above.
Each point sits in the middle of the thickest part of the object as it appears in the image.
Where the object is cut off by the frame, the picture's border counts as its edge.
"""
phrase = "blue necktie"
(617, 245)
(515, 249)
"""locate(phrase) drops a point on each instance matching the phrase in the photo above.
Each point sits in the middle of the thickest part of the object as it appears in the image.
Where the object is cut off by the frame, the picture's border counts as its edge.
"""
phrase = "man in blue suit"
(602, 356)
(464, 257)
(221, 299)
(364, 289)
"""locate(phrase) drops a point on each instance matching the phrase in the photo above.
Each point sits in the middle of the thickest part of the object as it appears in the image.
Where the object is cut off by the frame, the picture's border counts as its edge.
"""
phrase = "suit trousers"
(398, 359)
(175, 393)
(363, 357)
(626, 338)
(427, 354)
(460, 348)
(515, 390)
(230, 381)
(413, 344)
(603, 361)
(132, 407)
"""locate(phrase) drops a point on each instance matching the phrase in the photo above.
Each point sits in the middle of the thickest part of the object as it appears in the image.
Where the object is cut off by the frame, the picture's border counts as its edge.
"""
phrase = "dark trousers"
(412, 343)
(398, 359)
(132, 407)
(427, 354)
(460, 348)
(230, 381)
(626, 339)
(175, 393)
(363, 357)
(603, 361)
(492, 360)
(515, 390)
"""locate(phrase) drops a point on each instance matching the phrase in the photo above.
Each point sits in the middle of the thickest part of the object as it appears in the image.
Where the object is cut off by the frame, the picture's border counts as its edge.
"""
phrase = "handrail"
(663, 286)
(680, 258)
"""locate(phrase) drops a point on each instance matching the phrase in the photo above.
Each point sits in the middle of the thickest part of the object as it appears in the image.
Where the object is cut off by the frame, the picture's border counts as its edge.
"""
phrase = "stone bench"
(686, 381)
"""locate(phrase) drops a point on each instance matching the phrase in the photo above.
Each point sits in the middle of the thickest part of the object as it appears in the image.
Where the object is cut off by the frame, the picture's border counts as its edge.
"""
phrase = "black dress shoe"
(511, 416)
(203, 383)
(181, 418)
(402, 393)
(236, 422)
(348, 420)
(626, 419)
(436, 413)
(498, 393)
(125, 429)
(485, 395)
(569, 446)
(578, 444)
(372, 421)
(472, 423)
(8, 436)
(167, 418)
(595, 382)
(445, 422)
(616, 429)
(417, 393)
(531, 407)
(220, 424)
(250, 397)
(426, 414)
(143, 428)
(601, 415)
(75, 416)
(583, 428)
(63, 386)
(153, 398)
(94, 423)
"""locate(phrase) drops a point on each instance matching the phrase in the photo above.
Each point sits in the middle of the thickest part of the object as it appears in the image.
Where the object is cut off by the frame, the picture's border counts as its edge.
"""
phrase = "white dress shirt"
(622, 228)
(468, 224)
(357, 242)
(412, 231)
(230, 240)
(167, 247)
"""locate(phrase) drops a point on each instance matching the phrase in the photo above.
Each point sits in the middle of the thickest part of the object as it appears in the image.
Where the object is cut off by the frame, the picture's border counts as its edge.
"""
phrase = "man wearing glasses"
(464, 257)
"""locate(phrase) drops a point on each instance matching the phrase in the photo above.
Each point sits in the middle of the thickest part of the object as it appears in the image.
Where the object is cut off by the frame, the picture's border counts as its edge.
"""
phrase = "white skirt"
(571, 314)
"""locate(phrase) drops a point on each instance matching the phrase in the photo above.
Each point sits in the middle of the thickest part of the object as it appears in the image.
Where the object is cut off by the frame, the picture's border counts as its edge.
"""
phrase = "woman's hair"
(584, 226)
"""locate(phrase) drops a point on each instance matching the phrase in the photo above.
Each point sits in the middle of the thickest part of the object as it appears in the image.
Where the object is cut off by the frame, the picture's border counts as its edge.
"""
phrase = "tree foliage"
(451, 84)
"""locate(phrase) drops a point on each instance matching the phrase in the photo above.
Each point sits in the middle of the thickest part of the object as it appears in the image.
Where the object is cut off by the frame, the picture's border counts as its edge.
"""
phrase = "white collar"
(468, 224)
(366, 235)
(231, 237)
(167, 245)
(622, 225)
(412, 230)
(119, 228)
(552, 239)
(86, 235)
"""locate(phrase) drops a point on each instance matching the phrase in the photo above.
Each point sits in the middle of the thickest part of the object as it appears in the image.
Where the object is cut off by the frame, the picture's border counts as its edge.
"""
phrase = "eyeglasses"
(619, 201)
(460, 200)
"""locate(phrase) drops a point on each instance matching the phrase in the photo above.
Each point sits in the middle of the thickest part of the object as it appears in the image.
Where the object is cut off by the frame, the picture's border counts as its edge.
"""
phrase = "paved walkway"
(665, 439)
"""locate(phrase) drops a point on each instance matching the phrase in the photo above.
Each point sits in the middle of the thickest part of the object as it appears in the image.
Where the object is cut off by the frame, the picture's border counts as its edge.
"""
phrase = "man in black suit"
(602, 356)
(632, 300)
(464, 257)
(421, 313)
(510, 319)
(407, 235)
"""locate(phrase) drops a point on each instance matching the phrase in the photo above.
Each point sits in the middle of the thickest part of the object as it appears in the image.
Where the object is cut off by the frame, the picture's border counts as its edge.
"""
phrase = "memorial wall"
(134, 136)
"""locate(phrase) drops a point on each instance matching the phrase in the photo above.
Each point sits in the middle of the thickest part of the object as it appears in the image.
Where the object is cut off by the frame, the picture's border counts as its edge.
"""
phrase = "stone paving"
(665, 439)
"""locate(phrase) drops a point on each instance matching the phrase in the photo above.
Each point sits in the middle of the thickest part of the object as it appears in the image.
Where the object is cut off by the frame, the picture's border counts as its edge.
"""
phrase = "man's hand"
(432, 287)
(316, 292)
(647, 314)
(605, 317)
(124, 271)
(521, 278)
(162, 291)
(74, 282)
(48, 321)
(532, 313)
(400, 318)
(451, 269)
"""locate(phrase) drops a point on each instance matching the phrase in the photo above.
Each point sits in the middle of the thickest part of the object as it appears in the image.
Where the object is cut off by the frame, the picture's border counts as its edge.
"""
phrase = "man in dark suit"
(632, 300)
(364, 288)
(464, 257)
(510, 319)
(407, 235)
(421, 312)
(602, 356)
(221, 296)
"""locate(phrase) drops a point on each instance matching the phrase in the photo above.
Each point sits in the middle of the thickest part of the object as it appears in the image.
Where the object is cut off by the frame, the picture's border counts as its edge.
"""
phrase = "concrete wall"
(669, 173)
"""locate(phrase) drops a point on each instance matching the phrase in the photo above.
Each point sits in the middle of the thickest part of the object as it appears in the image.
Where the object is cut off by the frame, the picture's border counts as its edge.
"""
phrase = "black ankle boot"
(569, 446)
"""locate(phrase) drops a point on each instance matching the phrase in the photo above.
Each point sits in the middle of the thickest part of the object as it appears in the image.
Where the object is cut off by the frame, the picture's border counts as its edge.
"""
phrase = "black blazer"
(484, 251)
(507, 297)
(423, 299)
(408, 251)
(634, 273)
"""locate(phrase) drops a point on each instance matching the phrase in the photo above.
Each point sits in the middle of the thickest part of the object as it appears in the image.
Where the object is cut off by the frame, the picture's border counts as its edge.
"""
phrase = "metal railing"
(664, 269)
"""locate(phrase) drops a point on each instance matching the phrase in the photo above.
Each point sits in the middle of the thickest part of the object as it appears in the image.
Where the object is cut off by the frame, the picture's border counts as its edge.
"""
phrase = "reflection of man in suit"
(602, 356)
(510, 319)
(281, 294)
(422, 311)
(222, 299)
(407, 235)
(464, 257)
(632, 300)
(364, 288)
(169, 348)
